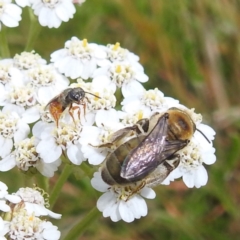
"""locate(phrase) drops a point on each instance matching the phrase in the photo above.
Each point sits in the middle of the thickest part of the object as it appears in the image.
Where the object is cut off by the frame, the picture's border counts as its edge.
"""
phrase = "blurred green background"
(191, 51)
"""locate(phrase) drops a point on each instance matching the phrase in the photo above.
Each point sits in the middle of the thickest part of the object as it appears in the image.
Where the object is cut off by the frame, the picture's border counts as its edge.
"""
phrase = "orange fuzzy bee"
(66, 99)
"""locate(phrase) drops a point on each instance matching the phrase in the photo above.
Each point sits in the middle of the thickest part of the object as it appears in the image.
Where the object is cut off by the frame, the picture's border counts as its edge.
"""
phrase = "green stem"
(4, 49)
(34, 31)
(42, 182)
(80, 227)
(58, 186)
(87, 169)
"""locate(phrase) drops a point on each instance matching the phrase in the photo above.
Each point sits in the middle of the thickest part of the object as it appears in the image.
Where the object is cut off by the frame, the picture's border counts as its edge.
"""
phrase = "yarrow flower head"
(78, 58)
(12, 129)
(25, 226)
(28, 60)
(74, 120)
(115, 53)
(121, 202)
(34, 201)
(54, 141)
(23, 215)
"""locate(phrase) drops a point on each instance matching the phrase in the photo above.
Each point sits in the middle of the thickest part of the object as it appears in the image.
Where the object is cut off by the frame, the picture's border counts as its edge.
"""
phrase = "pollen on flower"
(8, 125)
(23, 226)
(121, 74)
(106, 101)
(27, 60)
(118, 69)
(25, 154)
(85, 42)
(126, 192)
(153, 98)
(41, 76)
(116, 46)
(190, 156)
(132, 118)
(86, 86)
(116, 53)
(78, 48)
(24, 96)
(66, 135)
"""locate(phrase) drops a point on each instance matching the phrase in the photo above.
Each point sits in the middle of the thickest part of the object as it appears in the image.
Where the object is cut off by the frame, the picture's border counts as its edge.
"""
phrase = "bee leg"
(71, 111)
(104, 145)
(84, 110)
(172, 162)
(137, 189)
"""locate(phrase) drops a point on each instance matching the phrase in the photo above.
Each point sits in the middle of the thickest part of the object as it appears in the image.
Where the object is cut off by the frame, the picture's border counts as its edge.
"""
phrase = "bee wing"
(162, 171)
(141, 160)
(59, 97)
(151, 152)
(170, 147)
(52, 100)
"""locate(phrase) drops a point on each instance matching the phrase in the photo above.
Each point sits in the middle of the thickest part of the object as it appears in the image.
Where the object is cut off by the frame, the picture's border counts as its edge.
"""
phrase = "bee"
(147, 158)
(180, 127)
(65, 100)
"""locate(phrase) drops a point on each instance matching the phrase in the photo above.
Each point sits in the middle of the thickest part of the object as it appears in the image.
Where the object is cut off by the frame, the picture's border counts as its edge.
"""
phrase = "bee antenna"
(92, 94)
(203, 135)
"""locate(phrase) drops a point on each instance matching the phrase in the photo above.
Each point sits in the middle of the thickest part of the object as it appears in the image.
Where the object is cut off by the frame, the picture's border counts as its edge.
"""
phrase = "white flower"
(50, 231)
(3, 192)
(12, 129)
(115, 53)
(25, 226)
(24, 96)
(149, 100)
(122, 202)
(91, 136)
(4, 228)
(54, 141)
(28, 115)
(34, 202)
(131, 118)
(78, 58)
(52, 13)
(125, 75)
(24, 3)
(10, 13)
(26, 159)
(46, 76)
(28, 60)
(5, 196)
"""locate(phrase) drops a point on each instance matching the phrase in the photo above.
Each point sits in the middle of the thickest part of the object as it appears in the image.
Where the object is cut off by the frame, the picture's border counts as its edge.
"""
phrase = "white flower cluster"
(50, 13)
(70, 104)
(22, 218)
